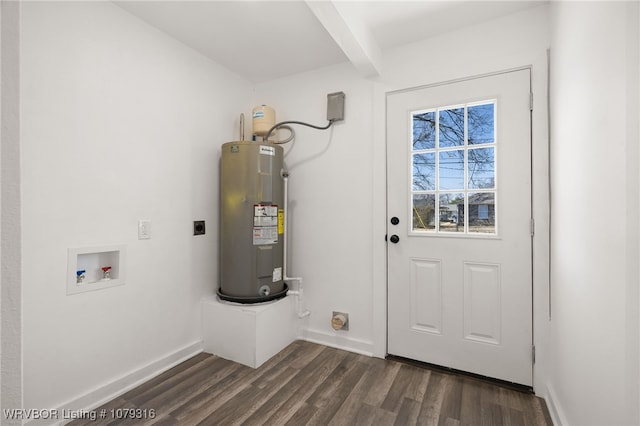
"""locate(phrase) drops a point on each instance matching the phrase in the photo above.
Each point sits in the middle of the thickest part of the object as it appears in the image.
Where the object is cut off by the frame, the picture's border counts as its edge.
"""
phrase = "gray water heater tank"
(251, 222)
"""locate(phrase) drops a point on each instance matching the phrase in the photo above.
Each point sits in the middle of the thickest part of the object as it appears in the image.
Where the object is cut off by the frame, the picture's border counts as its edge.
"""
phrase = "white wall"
(594, 154)
(119, 123)
(10, 238)
(338, 214)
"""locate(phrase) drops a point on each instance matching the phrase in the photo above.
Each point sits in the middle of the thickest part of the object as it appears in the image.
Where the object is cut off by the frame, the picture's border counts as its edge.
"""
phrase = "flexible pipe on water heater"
(298, 292)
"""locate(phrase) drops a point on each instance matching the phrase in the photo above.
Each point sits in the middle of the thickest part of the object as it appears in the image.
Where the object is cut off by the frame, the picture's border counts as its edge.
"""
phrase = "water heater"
(251, 222)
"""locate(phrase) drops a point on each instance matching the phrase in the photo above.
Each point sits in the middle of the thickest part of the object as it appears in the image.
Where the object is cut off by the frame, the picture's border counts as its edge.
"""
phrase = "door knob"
(394, 239)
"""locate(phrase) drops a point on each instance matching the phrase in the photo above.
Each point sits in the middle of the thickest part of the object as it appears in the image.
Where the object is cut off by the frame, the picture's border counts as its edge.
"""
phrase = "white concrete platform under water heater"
(249, 334)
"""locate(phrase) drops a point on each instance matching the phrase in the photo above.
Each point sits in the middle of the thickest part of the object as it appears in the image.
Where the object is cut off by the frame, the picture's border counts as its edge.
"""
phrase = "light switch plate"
(144, 229)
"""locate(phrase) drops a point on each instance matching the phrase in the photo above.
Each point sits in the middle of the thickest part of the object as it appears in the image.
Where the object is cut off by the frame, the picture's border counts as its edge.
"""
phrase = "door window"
(453, 157)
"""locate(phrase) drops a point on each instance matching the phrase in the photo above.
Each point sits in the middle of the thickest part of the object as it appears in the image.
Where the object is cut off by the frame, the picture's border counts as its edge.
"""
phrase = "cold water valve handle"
(106, 273)
(80, 276)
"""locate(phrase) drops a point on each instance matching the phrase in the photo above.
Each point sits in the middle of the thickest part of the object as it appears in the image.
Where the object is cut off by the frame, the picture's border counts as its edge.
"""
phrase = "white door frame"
(516, 346)
(540, 207)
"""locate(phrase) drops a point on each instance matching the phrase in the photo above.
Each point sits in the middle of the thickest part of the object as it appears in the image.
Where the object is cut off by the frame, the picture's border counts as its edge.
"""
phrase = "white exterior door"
(459, 225)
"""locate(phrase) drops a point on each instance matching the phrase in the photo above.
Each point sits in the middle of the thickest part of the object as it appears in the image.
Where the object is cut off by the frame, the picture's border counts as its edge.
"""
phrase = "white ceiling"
(265, 39)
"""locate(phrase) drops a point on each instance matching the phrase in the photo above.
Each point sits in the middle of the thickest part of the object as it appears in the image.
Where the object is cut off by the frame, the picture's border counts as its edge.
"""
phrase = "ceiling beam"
(350, 33)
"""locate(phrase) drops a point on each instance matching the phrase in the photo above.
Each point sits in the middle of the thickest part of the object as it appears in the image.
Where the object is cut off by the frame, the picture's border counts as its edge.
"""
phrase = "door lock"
(394, 239)
(395, 220)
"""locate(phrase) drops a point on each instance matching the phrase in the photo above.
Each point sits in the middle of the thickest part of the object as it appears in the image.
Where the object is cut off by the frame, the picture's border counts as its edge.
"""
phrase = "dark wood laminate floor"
(310, 384)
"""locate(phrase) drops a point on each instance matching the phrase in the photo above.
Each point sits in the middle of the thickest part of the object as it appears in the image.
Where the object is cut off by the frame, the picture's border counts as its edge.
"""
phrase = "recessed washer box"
(92, 260)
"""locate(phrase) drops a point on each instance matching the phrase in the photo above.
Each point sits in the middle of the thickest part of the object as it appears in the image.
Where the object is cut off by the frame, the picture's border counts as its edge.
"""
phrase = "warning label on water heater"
(281, 221)
(265, 224)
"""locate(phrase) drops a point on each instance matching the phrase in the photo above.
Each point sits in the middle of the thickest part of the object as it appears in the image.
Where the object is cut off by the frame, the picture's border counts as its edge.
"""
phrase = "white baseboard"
(105, 393)
(338, 340)
(555, 411)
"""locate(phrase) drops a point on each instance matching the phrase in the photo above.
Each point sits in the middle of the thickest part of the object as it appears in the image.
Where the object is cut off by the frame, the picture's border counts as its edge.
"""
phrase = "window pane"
(424, 171)
(451, 127)
(454, 169)
(451, 209)
(482, 212)
(480, 125)
(451, 170)
(424, 130)
(482, 172)
(424, 207)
